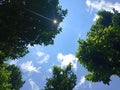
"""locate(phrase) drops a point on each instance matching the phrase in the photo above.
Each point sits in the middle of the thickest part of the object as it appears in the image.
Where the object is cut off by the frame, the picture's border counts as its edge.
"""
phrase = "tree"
(62, 79)
(100, 52)
(10, 77)
(15, 77)
(27, 22)
(4, 78)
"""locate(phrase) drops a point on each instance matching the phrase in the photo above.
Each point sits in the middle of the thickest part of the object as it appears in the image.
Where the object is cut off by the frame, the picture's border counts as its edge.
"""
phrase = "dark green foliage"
(19, 27)
(15, 77)
(62, 79)
(100, 52)
(10, 77)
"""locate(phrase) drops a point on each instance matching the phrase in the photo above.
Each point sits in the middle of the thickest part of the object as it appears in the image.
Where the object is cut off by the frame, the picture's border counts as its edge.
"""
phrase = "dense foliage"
(62, 79)
(4, 78)
(10, 77)
(15, 77)
(20, 26)
(100, 52)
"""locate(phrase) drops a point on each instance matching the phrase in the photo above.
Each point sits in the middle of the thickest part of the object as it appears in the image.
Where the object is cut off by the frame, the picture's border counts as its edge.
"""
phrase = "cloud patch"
(102, 5)
(40, 54)
(81, 82)
(50, 70)
(66, 59)
(44, 57)
(34, 86)
(28, 66)
(95, 18)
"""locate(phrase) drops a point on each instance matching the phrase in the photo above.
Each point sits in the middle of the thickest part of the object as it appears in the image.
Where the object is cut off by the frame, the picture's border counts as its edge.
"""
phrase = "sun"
(55, 21)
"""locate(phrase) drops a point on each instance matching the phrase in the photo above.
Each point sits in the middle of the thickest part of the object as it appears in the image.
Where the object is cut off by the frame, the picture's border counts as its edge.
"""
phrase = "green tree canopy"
(62, 79)
(10, 77)
(4, 78)
(100, 52)
(27, 22)
(15, 77)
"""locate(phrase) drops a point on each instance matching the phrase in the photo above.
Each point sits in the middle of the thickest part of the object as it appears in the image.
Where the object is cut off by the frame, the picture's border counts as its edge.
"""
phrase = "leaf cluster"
(62, 79)
(10, 77)
(100, 52)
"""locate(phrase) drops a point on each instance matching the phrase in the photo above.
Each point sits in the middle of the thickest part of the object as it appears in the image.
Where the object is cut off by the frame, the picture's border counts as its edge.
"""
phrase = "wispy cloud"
(90, 85)
(44, 60)
(45, 57)
(66, 59)
(81, 82)
(102, 5)
(28, 66)
(34, 86)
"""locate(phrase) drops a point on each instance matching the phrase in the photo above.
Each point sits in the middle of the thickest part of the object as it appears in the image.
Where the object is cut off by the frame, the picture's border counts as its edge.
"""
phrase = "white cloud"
(81, 82)
(45, 57)
(13, 62)
(34, 86)
(50, 70)
(66, 59)
(40, 54)
(44, 60)
(60, 56)
(96, 17)
(28, 66)
(102, 5)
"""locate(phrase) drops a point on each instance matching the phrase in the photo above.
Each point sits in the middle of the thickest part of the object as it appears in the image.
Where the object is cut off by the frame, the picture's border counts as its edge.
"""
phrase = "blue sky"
(36, 66)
